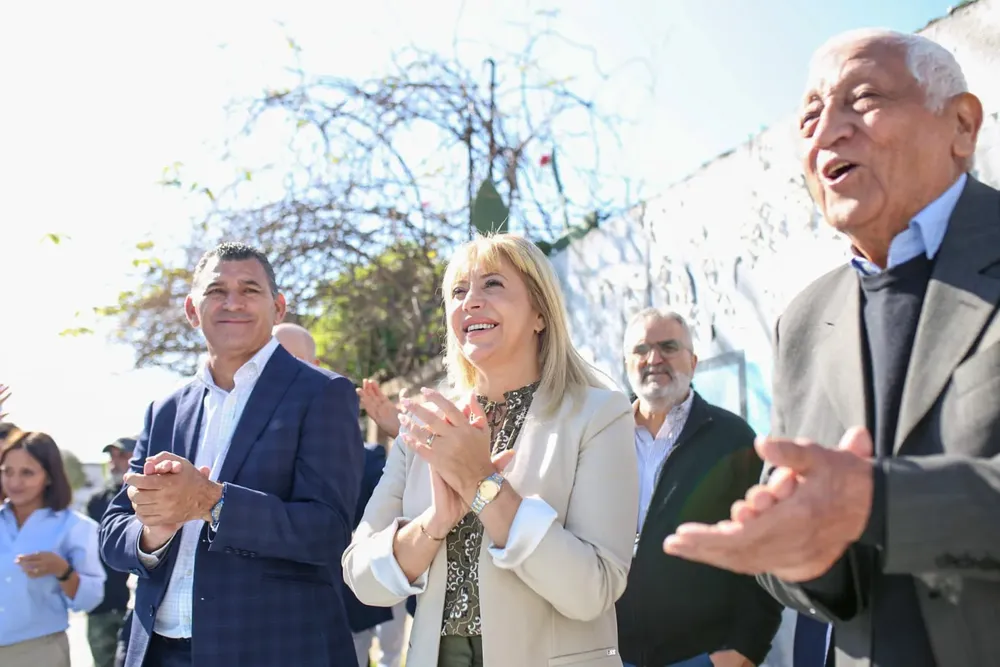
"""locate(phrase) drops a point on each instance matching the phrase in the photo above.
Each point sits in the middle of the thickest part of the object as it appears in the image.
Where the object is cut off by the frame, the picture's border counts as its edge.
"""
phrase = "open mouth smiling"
(835, 171)
(476, 327)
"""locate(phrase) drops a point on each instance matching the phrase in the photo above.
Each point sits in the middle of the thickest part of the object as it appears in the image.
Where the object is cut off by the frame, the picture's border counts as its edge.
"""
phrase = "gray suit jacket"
(943, 485)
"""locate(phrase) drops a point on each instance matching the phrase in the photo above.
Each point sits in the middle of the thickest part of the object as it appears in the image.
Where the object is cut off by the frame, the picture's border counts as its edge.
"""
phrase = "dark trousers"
(102, 635)
(164, 652)
(457, 651)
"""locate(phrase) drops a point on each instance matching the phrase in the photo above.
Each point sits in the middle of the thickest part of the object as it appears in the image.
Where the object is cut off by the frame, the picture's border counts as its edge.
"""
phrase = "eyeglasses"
(666, 347)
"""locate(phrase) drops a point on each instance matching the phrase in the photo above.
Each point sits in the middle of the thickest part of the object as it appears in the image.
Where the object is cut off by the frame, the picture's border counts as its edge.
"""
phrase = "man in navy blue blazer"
(241, 496)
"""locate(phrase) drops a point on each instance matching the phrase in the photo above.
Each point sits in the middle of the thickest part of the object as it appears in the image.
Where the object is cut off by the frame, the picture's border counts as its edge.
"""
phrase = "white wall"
(729, 246)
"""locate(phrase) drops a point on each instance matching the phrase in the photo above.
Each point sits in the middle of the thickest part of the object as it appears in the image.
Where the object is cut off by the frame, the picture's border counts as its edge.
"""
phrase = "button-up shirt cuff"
(386, 569)
(531, 523)
(150, 561)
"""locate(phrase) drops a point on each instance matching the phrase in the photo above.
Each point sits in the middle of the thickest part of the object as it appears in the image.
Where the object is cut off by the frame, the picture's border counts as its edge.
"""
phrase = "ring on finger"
(430, 438)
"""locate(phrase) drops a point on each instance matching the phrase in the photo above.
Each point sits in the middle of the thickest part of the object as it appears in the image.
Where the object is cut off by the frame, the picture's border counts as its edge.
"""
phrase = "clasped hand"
(815, 504)
(454, 441)
(42, 564)
(171, 491)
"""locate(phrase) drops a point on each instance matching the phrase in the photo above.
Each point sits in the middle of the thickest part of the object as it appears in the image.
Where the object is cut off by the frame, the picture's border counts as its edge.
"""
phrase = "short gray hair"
(647, 314)
(933, 66)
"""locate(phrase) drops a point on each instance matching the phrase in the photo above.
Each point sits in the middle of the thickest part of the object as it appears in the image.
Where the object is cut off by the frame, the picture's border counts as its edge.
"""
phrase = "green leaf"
(144, 245)
(76, 331)
(489, 213)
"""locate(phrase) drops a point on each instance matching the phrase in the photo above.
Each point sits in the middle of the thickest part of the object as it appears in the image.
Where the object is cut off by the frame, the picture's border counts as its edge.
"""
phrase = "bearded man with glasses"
(695, 459)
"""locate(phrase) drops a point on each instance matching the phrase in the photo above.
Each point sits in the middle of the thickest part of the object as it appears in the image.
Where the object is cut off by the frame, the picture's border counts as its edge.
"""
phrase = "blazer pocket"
(304, 577)
(600, 657)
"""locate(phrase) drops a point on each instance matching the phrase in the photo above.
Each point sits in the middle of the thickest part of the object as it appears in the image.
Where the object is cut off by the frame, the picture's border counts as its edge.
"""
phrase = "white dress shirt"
(222, 412)
(652, 452)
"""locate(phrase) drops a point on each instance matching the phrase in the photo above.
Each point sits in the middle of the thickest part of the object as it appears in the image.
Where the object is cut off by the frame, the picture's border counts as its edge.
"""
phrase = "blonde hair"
(563, 370)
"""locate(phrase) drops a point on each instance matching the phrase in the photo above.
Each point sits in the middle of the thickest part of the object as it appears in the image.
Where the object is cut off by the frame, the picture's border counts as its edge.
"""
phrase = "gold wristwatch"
(489, 488)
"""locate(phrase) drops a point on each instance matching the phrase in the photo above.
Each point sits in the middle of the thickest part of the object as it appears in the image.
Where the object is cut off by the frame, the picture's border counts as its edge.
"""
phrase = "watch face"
(489, 489)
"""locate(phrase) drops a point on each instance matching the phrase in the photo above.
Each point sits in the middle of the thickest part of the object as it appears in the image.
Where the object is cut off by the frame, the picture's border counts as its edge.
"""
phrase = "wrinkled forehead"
(843, 63)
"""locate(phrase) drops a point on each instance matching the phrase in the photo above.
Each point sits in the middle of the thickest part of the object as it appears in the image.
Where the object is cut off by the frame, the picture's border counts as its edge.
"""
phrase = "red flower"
(546, 159)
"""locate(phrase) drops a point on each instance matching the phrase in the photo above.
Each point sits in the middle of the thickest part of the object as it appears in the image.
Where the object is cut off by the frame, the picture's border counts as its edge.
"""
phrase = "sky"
(101, 96)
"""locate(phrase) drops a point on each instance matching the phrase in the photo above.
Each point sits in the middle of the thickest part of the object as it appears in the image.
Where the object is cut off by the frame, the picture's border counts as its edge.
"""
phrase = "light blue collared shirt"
(923, 236)
(32, 608)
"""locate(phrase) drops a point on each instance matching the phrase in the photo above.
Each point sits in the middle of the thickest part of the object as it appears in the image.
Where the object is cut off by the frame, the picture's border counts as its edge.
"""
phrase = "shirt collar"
(924, 235)
(679, 411)
(248, 372)
(7, 510)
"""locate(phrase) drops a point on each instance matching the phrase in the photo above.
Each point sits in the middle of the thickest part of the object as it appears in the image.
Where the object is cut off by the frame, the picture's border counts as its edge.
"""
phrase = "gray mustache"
(649, 370)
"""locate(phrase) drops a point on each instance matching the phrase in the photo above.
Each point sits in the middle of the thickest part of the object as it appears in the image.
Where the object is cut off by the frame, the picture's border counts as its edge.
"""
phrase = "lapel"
(187, 421)
(274, 381)
(534, 423)
(959, 302)
(841, 353)
(698, 416)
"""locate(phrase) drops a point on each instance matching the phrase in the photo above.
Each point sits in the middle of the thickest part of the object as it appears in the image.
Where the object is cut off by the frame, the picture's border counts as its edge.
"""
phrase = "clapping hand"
(379, 407)
(454, 441)
(816, 503)
(169, 492)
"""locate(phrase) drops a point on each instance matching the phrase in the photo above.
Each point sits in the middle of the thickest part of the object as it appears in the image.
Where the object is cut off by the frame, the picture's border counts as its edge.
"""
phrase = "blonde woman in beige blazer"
(510, 512)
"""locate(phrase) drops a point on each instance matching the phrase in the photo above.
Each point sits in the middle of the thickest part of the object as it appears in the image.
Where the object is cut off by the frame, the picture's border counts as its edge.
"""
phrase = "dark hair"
(7, 430)
(232, 251)
(42, 448)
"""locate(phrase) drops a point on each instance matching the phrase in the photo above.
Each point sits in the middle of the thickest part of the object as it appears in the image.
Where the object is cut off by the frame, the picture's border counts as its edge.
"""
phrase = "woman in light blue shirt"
(49, 560)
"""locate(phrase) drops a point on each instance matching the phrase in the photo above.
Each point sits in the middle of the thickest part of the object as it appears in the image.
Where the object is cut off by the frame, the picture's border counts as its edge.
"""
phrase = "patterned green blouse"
(464, 542)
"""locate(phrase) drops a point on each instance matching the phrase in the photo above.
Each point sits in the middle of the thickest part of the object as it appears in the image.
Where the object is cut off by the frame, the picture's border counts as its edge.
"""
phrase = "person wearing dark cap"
(104, 623)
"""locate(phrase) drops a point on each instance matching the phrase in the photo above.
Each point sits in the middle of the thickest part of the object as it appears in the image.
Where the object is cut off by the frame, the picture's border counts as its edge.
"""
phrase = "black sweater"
(892, 303)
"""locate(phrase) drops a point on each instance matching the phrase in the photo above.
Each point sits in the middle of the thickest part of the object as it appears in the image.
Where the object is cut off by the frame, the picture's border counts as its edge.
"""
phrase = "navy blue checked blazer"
(267, 586)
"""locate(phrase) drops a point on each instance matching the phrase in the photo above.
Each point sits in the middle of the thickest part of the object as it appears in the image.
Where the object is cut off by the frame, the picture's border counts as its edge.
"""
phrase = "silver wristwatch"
(488, 489)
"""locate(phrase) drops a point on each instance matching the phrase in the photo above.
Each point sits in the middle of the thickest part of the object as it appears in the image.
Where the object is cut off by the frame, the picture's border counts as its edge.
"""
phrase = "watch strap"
(216, 512)
(479, 502)
(67, 574)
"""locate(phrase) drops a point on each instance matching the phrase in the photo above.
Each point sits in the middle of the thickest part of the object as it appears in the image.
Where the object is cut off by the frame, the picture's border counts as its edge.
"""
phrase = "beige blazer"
(558, 606)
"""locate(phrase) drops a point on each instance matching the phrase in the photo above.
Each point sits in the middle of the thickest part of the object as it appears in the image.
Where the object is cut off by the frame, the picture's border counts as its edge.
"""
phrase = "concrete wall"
(729, 246)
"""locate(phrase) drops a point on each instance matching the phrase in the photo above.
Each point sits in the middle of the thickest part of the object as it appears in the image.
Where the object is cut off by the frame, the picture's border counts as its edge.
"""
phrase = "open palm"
(379, 407)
